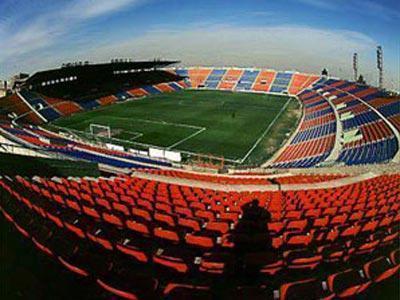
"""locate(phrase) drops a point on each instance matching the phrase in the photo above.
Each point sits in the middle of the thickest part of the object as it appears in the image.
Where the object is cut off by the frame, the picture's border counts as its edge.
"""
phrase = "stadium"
(152, 179)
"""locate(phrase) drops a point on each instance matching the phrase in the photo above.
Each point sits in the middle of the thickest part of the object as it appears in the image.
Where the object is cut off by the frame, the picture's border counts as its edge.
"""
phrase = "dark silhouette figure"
(251, 232)
(251, 238)
(252, 250)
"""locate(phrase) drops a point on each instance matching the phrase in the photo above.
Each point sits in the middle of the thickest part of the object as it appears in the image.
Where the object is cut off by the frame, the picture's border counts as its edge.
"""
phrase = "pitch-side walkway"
(337, 148)
(255, 188)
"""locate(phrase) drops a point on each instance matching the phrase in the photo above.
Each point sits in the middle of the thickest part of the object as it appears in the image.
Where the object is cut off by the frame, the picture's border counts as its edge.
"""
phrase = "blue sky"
(303, 35)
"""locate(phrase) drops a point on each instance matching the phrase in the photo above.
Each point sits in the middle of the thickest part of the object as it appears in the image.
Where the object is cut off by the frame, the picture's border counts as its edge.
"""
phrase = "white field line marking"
(160, 123)
(135, 134)
(143, 144)
(186, 138)
(265, 131)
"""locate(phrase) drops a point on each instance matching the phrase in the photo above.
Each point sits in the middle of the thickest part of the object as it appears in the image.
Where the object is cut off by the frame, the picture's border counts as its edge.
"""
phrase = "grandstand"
(173, 215)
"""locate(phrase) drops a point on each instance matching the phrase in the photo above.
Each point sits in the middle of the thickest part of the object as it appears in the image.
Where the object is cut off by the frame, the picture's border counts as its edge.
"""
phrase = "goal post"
(98, 130)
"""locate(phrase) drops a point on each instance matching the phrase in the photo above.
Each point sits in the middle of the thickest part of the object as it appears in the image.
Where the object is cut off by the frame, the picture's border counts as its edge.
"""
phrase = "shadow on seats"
(253, 244)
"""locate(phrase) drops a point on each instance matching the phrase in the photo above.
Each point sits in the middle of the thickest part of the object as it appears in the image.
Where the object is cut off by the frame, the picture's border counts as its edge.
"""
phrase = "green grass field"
(241, 127)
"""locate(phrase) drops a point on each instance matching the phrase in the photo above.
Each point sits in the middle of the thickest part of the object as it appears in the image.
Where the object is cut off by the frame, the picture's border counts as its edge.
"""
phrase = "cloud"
(47, 28)
(288, 47)
(281, 47)
(357, 7)
(84, 9)
(325, 4)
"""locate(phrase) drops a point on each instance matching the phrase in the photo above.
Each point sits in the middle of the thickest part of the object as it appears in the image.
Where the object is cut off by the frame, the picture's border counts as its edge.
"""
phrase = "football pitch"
(242, 128)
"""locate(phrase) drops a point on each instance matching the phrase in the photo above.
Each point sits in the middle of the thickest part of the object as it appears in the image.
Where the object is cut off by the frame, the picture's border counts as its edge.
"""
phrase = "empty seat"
(175, 291)
(380, 269)
(264, 262)
(199, 241)
(139, 285)
(170, 260)
(131, 250)
(167, 235)
(305, 289)
(395, 257)
(348, 283)
(302, 259)
(216, 263)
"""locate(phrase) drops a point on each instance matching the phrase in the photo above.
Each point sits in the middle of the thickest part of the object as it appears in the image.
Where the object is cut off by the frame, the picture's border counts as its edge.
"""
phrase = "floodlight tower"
(379, 62)
(355, 66)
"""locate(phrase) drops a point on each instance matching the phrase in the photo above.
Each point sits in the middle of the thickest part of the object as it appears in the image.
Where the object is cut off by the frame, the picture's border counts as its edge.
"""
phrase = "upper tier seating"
(230, 79)
(365, 135)
(281, 82)
(264, 81)
(214, 78)
(315, 139)
(198, 77)
(242, 79)
(247, 80)
(301, 81)
(371, 138)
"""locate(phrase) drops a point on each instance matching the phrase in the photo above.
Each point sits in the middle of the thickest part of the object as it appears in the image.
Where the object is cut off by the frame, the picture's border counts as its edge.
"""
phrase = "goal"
(98, 130)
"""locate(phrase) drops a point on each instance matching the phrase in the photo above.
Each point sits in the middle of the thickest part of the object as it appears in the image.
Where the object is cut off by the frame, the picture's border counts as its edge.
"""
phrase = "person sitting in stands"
(251, 233)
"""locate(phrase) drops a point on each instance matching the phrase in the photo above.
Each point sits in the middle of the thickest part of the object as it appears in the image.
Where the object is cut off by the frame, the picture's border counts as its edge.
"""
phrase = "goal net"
(100, 130)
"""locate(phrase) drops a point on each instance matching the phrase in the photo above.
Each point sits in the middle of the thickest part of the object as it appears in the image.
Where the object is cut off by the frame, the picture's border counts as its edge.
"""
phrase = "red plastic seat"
(171, 262)
(122, 208)
(297, 226)
(137, 227)
(297, 239)
(347, 284)
(264, 262)
(141, 214)
(175, 291)
(395, 257)
(112, 219)
(166, 234)
(215, 263)
(132, 251)
(219, 227)
(304, 289)
(302, 259)
(380, 269)
(199, 241)
(164, 219)
(192, 225)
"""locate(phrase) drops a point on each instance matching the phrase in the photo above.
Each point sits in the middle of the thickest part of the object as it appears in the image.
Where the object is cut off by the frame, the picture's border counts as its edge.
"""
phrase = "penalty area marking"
(187, 138)
(198, 129)
(265, 132)
(135, 134)
(161, 122)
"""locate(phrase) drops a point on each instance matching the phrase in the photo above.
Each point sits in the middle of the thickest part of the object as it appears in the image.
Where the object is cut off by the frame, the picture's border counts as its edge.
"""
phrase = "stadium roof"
(103, 68)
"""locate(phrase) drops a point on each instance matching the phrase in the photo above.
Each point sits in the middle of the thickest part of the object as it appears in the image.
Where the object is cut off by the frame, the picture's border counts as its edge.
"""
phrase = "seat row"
(112, 277)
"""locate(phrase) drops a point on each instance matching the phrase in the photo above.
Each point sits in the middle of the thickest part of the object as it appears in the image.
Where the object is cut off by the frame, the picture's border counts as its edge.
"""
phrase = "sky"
(300, 35)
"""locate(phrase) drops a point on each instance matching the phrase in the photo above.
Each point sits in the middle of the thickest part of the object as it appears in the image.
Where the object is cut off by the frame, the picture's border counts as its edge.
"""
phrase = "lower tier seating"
(142, 239)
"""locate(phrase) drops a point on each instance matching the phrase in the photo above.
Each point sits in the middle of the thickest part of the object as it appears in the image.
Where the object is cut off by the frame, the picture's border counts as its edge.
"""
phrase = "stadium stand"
(178, 236)
(214, 78)
(155, 230)
(230, 79)
(247, 80)
(264, 81)
(35, 137)
(198, 76)
(281, 83)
